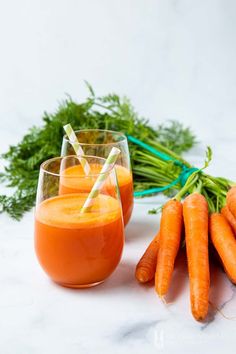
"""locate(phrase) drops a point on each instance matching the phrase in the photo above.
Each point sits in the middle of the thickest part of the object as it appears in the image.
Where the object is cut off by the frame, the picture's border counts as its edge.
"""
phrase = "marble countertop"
(118, 316)
(175, 60)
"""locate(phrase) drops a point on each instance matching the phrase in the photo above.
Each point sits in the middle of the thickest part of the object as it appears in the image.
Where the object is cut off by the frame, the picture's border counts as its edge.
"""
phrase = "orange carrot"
(195, 210)
(146, 267)
(224, 241)
(170, 235)
(230, 218)
(231, 200)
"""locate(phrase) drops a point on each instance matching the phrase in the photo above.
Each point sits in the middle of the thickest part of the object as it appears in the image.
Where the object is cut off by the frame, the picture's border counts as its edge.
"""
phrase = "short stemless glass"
(77, 249)
(99, 143)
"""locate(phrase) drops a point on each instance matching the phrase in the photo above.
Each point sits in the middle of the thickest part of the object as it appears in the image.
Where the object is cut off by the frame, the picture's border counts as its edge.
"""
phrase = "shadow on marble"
(140, 230)
(221, 292)
(179, 279)
(123, 277)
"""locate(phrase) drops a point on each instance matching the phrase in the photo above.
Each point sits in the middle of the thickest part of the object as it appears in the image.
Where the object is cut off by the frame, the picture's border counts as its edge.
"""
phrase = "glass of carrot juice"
(77, 249)
(98, 142)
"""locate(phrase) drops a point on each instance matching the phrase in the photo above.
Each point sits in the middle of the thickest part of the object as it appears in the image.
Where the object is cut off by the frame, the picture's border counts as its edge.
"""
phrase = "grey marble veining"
(175, 59)
(119, 316)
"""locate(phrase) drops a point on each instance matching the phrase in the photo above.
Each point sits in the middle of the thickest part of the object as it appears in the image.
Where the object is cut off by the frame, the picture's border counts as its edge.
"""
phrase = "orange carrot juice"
(75, 249)
(124, 178)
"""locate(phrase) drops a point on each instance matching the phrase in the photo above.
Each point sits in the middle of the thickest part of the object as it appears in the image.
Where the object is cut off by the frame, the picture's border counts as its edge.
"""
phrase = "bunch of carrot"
(196, 219)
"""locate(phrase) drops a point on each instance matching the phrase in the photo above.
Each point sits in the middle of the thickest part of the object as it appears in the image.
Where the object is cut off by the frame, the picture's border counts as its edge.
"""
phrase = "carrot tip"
(162, 297)
(142, 276)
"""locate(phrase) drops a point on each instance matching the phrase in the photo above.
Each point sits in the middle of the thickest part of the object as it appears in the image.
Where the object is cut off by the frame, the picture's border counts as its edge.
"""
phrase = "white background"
(174, 59)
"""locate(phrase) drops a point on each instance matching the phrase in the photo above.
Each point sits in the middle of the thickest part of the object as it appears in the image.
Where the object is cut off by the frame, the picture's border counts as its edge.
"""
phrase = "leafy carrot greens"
(106, 112)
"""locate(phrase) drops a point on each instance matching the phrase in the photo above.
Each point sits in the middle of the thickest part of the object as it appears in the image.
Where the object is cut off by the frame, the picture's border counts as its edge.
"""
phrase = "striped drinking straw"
(110, 161)
(78, 149)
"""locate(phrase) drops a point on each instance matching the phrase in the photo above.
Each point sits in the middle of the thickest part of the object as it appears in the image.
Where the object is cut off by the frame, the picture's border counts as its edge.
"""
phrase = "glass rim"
(124, 138)
(44, 170)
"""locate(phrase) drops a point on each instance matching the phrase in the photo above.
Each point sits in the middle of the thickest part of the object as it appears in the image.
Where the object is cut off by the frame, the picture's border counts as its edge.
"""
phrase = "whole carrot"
(230, 218)
(146, 267)
(170, 235)
(195, 210)
(224, 241)
(231, 200)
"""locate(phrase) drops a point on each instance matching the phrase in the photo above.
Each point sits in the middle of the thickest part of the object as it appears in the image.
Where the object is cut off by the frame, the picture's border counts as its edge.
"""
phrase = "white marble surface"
(119, 316)
(174, 59)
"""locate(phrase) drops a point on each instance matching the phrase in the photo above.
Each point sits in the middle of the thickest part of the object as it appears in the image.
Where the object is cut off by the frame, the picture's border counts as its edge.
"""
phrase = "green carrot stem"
(186, 188)
(169, 152)
(198, 187)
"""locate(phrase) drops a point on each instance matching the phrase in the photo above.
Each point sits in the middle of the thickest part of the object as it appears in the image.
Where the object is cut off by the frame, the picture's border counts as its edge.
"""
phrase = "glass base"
(79, 286)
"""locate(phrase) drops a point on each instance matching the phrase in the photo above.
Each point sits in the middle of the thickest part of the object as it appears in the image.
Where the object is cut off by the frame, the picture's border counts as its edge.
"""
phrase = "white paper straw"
(110, 161)
(78, 149)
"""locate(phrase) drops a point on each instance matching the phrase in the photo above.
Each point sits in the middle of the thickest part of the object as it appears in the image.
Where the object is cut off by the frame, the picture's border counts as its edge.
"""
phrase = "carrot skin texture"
(230, 218)
(146, 267)
(170, 236)
(195, 211)
(231, 200)
(224, 241)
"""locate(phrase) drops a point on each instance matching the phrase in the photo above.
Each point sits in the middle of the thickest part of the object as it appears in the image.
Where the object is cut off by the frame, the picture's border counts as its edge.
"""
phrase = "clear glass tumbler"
(97, 142)
(77, 249)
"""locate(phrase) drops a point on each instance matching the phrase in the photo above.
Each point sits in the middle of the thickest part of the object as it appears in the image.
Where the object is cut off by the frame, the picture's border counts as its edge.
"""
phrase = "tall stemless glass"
(99, 143)
(77, 249)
